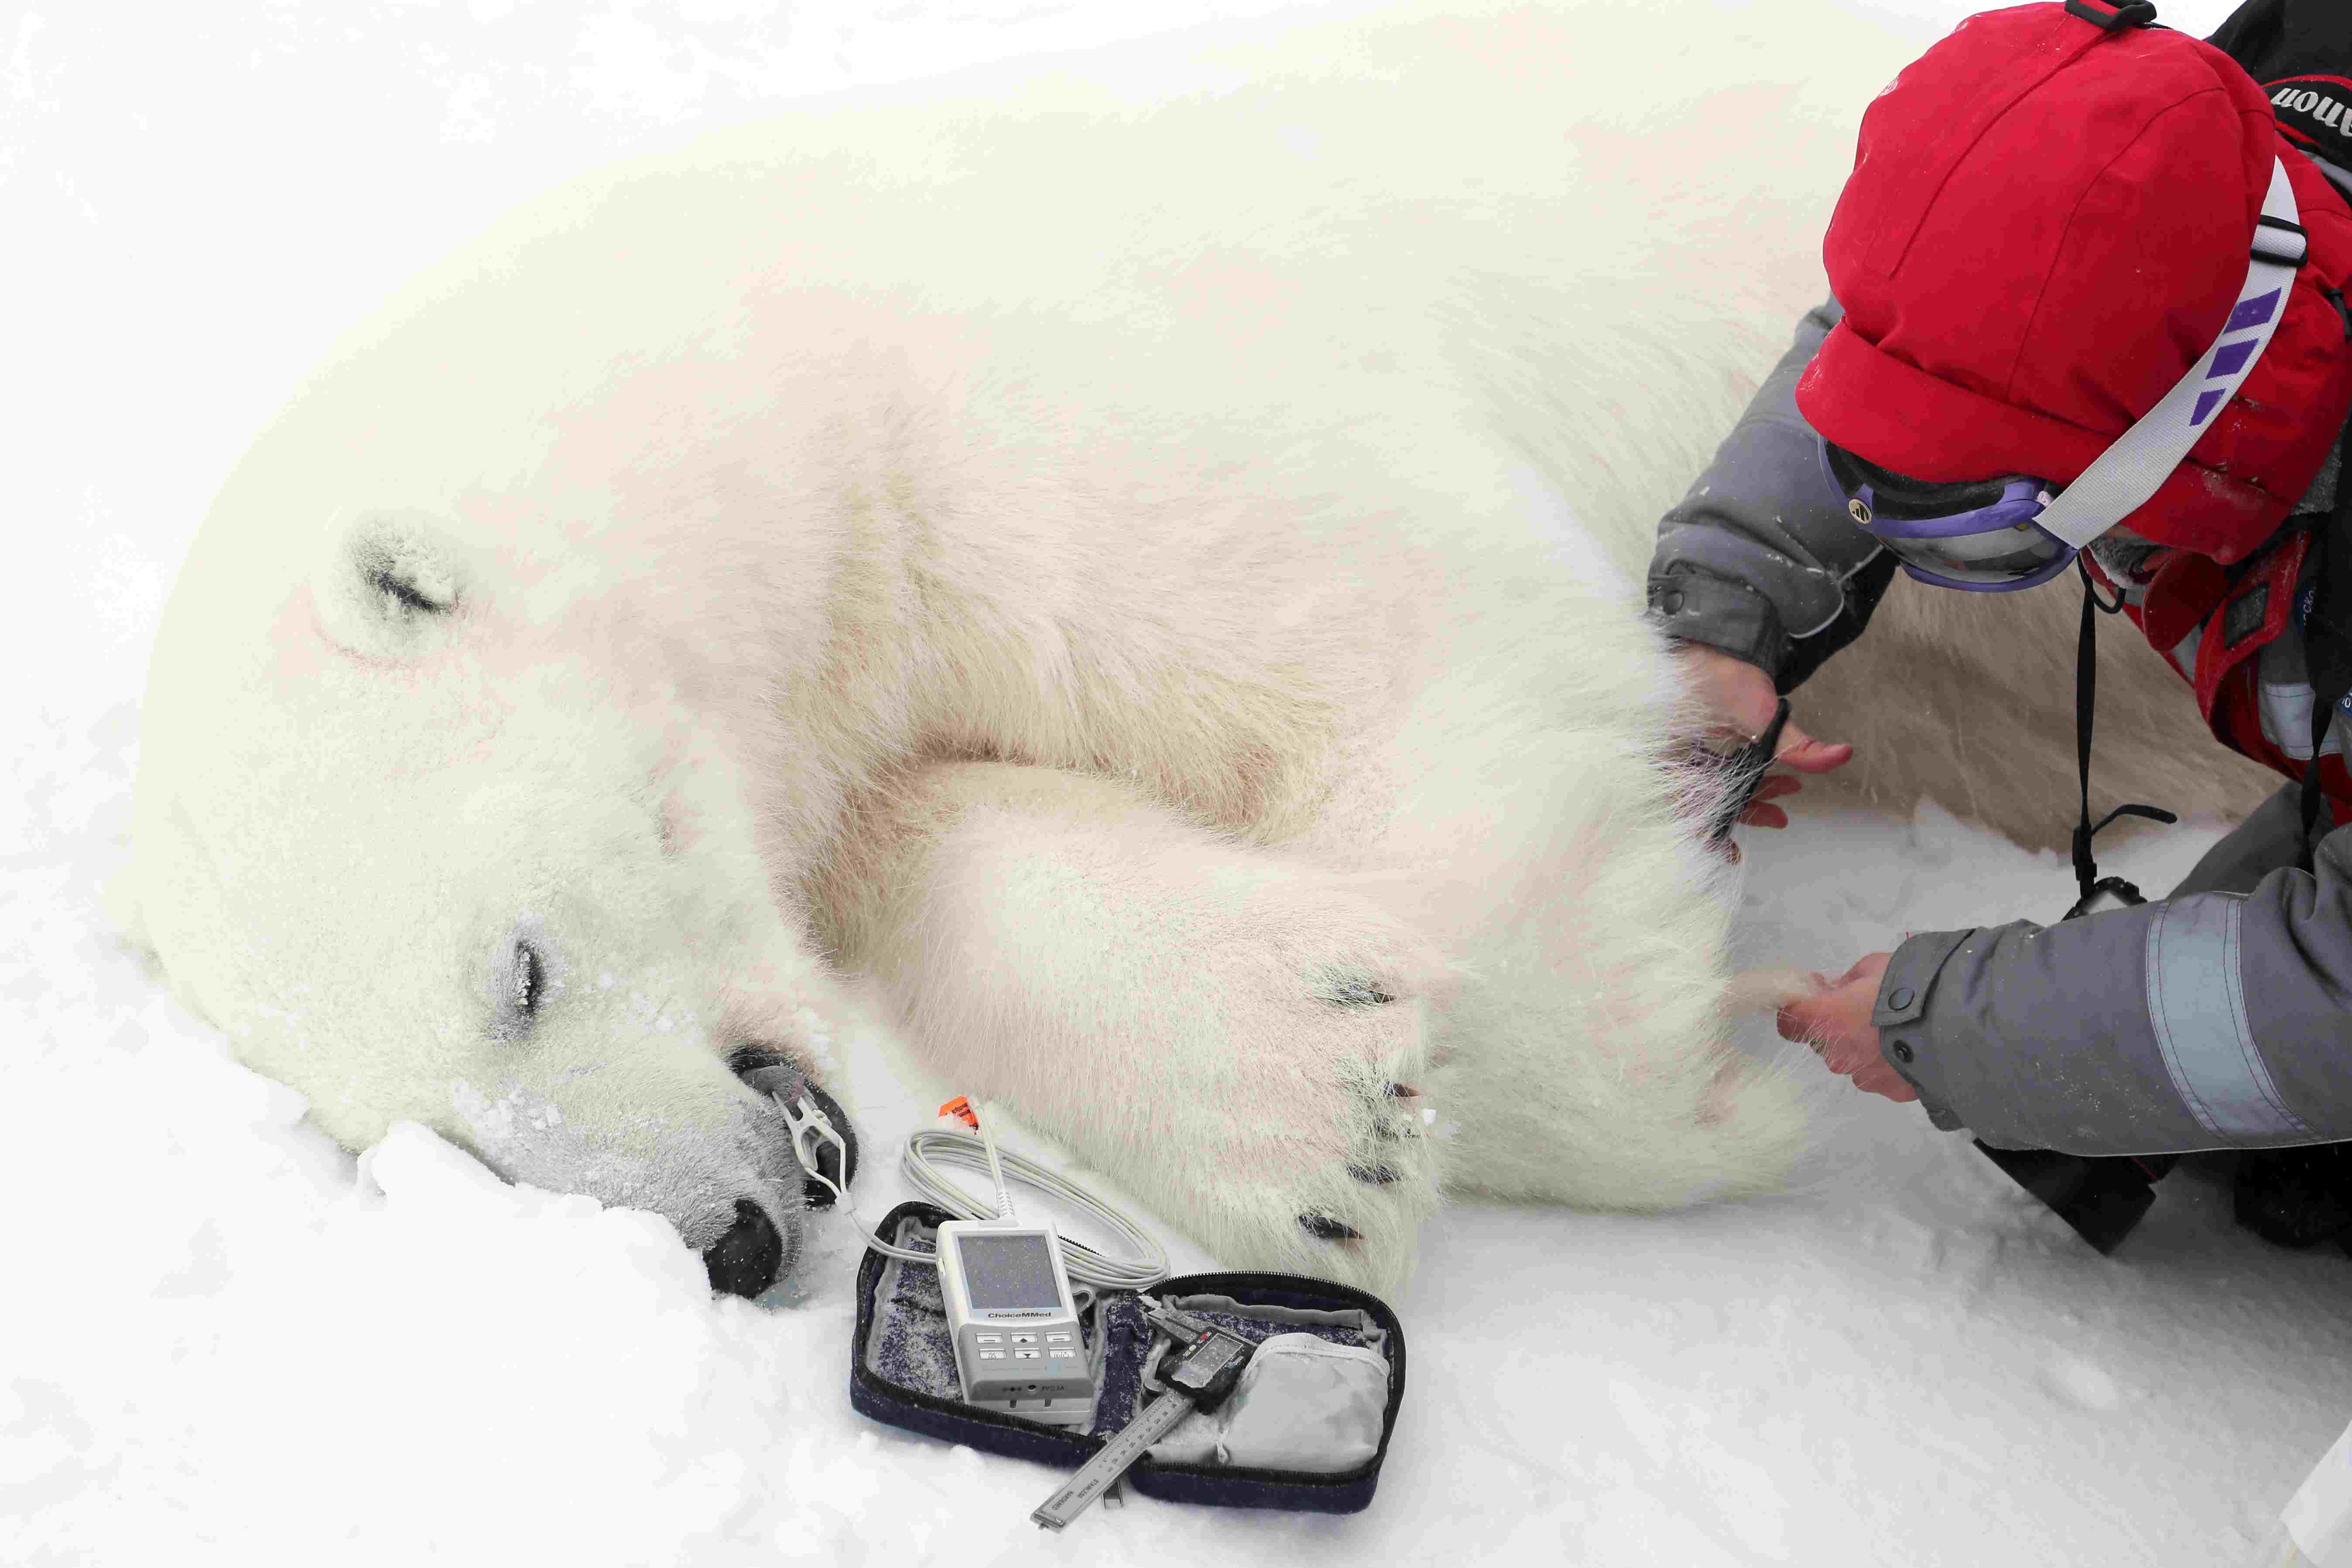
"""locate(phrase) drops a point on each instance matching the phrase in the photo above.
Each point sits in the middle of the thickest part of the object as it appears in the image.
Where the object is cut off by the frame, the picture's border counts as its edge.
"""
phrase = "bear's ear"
(390, 585)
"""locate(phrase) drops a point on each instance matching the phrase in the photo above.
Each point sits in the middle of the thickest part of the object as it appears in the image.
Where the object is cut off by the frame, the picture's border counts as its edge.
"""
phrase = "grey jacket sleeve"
(1759, 558)
(2207, 1021)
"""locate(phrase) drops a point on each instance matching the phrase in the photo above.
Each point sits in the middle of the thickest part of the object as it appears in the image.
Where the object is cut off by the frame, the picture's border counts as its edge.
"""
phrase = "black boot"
(2297, 1197)
(2102, 1198)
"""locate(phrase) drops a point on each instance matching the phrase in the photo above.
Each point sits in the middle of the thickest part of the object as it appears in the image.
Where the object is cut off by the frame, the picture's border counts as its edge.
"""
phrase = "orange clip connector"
(961, 1109)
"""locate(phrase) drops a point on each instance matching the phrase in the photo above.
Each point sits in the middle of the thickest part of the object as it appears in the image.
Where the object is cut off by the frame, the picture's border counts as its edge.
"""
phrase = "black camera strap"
(2101, 1197)
(2088, 884)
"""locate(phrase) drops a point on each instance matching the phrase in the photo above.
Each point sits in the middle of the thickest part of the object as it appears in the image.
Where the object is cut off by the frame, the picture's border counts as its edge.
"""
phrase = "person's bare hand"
(1835, 1021)
(1740, 700)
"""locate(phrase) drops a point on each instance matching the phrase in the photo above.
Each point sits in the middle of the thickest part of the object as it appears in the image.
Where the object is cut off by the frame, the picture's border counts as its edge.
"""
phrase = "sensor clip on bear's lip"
(820, 1128)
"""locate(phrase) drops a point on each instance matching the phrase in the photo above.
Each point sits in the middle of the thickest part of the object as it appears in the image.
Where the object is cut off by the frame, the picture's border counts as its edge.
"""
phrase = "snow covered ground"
(223, 1340)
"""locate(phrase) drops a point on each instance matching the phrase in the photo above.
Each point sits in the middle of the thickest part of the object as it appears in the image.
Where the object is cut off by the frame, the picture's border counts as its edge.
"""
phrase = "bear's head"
(426, 853)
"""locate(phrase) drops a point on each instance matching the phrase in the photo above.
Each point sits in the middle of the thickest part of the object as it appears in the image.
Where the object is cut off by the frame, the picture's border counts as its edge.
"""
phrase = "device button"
(1024, 1339)
(988, 1339)
(991, 1355)
(1058, 1353)
(1058, 1339)
(1024, 1356)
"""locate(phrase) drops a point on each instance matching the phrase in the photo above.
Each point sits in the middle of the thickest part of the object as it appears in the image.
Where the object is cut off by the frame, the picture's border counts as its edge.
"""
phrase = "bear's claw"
(1355, 991)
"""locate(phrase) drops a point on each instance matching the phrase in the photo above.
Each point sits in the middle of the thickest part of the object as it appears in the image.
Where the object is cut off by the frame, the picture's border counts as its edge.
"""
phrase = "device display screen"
(1008, 1271)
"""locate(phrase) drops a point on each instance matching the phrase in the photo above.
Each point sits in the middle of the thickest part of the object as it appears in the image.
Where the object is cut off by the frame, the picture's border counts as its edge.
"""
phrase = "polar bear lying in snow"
(1147, 599)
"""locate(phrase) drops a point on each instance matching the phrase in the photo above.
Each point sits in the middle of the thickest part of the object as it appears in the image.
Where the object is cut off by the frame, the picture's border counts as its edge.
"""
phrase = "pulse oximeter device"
(1015, 1325)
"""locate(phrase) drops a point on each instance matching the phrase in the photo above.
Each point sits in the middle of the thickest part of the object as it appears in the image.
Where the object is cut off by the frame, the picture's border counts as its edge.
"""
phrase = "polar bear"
(1144, 600)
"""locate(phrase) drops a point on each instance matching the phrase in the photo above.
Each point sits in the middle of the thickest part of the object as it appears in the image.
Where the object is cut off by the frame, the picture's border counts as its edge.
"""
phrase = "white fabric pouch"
(1305, 1403)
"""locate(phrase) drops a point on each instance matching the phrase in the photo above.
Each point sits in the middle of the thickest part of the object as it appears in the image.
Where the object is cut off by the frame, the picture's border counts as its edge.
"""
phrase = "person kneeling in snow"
(2091, 278)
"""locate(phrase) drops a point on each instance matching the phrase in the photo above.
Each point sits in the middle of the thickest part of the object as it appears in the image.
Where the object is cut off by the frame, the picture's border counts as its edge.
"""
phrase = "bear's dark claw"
(1323, 1227)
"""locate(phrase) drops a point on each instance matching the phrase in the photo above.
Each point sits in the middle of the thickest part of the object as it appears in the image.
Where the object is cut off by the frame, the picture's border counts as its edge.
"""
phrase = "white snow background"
(222, 1340)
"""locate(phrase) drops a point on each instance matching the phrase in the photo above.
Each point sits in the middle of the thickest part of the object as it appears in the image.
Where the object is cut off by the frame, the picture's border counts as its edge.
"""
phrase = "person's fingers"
(1807, 755)
(1877, 1078)
(1835, 1021)
(1852, 1055)
(1758, 813)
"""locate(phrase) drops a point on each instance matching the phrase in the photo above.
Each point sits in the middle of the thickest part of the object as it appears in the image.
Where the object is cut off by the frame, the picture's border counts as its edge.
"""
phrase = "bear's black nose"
(745, 1261)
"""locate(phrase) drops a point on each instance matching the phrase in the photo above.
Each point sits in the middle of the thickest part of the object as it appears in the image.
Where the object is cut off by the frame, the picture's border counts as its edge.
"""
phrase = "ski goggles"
(1995, 536)
(1980, 537)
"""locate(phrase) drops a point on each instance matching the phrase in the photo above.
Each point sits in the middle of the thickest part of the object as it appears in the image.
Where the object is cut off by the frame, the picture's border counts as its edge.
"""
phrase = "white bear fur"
(1149, 597)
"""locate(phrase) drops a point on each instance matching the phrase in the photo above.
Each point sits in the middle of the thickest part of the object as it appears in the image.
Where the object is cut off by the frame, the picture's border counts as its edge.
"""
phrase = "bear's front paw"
(1326, 1165)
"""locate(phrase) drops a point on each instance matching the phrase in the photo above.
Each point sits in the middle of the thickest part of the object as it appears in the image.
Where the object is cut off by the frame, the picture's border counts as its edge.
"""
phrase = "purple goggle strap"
(2021, 502)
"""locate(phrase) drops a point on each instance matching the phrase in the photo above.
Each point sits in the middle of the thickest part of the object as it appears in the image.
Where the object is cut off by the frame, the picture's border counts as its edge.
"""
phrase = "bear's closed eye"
(528, 983)
(383, 580)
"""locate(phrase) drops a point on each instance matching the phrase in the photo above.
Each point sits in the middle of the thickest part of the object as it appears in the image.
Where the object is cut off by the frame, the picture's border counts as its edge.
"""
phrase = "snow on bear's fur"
(1144, 600)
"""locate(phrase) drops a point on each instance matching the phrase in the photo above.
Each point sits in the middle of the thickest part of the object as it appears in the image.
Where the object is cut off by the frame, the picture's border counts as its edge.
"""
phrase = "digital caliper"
(1202, 1367)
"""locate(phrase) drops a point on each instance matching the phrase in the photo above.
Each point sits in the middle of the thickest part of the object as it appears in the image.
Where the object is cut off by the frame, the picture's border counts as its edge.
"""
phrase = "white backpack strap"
(2124, 476)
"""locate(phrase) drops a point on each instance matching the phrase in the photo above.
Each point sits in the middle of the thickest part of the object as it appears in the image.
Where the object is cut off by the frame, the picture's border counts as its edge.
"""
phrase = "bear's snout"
(753, 1255)
(756, 1250)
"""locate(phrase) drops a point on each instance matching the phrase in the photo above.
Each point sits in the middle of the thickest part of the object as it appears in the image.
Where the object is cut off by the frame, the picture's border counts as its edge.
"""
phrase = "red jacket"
(2235, 635)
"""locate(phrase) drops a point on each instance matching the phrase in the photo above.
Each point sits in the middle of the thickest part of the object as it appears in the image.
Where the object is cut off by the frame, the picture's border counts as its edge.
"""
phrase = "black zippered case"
(902, 1371)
